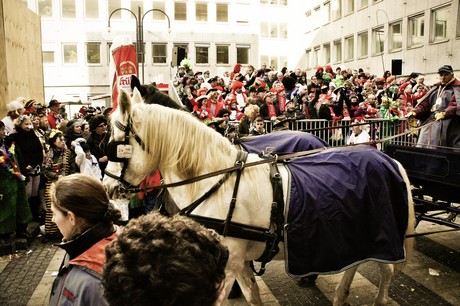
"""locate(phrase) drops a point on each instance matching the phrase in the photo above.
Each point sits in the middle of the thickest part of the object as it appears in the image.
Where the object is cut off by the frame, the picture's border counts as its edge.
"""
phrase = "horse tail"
(409, 243)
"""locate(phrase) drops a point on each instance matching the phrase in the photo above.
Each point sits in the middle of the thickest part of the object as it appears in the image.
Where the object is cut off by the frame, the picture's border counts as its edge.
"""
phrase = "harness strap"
(276, 221)
(239, 164)
(241, 159)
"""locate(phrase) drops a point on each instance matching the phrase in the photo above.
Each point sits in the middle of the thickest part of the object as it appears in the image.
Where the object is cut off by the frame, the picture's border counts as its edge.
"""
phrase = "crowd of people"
(247, 95)
(40, 145)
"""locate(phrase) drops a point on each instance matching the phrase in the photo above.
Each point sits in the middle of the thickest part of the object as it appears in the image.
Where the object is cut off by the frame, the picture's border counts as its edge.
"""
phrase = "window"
(180, 11)
(362, 3)
(316, 56)
(242, 54)
(183, 46)
(156, 15)
(201, 10)
(91, 9)
(283, 61)
(48, 57)
(327, 53)
(363, 45)
(439, 20)
(135, 4)
(45, 8)
(458, 22)
(264, 29)
(416, 30)
(349, 48)
(202, 54)
(395, 36)
(274, 63)
(221, 12)
(337, 51)
(327, 11)
(159, 53)
(379, 40)
(274, 2)
(244, 14)
(273, 30)
(283, 31)
(349, 7)
(264, 59)
(68, 9)
(336, 9)
(112, 6)
(222, 54)
(93, 53)
(70, 53)
(307, 58)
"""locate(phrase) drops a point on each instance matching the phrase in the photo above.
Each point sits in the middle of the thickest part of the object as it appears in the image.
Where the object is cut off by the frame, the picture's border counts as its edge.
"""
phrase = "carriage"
(435, 176)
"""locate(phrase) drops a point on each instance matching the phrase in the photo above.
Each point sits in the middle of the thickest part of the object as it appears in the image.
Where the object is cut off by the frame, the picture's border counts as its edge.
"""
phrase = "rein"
(266, 160)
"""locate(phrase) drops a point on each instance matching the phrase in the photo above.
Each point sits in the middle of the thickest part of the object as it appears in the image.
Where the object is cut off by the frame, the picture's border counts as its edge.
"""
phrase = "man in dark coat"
(439, 112)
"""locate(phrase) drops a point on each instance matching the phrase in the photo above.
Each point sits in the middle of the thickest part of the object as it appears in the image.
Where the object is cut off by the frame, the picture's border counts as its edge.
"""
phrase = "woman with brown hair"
(84, 215)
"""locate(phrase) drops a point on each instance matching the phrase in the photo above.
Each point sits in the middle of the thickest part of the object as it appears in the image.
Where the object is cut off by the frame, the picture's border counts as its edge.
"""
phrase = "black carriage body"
(435, 171)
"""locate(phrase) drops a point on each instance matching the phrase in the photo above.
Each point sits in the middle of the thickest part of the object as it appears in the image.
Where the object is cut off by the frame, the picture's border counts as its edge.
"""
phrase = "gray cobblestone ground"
(23, 271)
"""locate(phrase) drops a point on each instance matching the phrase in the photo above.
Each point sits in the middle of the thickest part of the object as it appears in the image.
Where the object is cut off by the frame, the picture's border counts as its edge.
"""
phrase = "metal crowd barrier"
(330, 131)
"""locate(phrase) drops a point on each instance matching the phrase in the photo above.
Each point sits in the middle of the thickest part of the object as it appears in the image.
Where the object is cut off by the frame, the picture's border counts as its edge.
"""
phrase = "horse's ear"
(124, 102)
(137, 97)
(135, 83)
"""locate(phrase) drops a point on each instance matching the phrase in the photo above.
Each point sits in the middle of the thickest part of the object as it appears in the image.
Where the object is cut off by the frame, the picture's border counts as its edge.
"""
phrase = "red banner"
(125, 61)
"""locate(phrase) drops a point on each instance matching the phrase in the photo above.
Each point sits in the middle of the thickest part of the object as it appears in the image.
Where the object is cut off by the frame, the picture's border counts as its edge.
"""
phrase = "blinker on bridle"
(122, 151)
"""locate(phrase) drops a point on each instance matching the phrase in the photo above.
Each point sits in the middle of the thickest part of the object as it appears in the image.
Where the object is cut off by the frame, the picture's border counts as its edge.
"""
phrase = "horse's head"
(125, 150)
(152, 95)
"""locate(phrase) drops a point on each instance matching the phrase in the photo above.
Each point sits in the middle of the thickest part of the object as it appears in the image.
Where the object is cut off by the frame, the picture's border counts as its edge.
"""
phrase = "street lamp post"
(140, 32)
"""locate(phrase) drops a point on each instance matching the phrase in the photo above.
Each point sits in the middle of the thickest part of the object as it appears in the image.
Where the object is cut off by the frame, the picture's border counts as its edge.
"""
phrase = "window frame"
(381, 46)
(227, 51)
(434, 26)
(391, 42)
(361, 54)
(163, 55)
(92, 43)
(64, 44)
(352, 45)
(420, 27)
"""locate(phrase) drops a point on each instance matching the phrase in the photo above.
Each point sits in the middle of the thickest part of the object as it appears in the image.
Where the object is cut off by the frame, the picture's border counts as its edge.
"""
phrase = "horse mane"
(190, 146)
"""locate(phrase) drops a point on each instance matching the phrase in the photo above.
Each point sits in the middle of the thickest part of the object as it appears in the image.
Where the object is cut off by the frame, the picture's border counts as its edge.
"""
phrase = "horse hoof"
(307, 281)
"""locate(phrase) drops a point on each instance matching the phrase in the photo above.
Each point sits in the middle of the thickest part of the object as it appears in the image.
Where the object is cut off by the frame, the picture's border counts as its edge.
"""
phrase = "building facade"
(217, 34)
(371, 34)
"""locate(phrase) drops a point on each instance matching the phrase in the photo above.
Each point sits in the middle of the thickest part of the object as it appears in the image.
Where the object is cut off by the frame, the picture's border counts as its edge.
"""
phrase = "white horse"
(183, 148)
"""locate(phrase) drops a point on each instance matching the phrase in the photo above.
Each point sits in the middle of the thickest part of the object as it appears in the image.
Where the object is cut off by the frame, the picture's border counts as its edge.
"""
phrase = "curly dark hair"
(158, 260)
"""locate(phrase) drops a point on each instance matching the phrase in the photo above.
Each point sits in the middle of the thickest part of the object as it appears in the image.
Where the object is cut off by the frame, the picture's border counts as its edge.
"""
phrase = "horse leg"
(248, 284)
(343, 288)
(386, 274)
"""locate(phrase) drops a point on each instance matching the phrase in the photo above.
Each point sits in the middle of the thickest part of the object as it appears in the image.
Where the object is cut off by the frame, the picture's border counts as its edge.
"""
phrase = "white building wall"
(426, 58)
(307, 30)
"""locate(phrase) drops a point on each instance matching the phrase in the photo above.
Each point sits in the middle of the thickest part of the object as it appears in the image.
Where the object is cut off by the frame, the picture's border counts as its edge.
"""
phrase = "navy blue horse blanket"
(346, 206)
(282, 142)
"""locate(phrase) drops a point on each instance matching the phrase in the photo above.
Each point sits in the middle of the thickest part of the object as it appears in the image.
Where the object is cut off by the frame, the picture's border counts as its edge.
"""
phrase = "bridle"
(122, 151)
